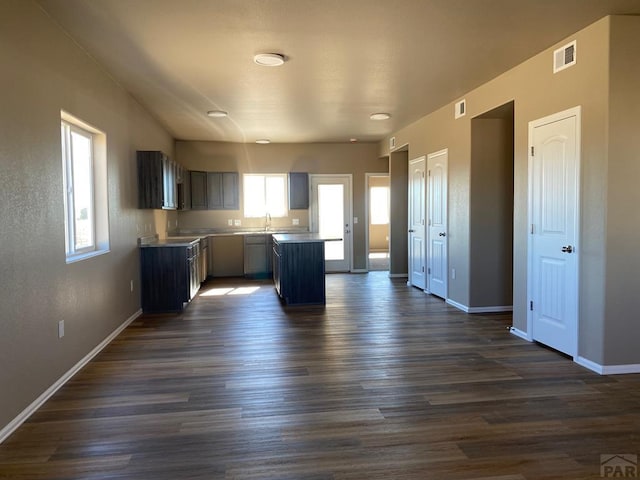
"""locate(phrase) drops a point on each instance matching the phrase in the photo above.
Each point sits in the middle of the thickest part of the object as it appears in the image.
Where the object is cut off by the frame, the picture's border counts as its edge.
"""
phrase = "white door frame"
(577, 113)
(422, 159)
(367, 214)
(313, 207)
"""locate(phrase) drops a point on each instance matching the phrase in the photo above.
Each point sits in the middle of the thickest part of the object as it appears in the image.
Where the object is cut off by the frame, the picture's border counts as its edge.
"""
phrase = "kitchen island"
(298, 268)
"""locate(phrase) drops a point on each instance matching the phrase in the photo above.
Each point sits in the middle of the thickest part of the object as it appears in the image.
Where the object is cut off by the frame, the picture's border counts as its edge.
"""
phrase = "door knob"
(411, 230)
(567, 249)
(442, 234)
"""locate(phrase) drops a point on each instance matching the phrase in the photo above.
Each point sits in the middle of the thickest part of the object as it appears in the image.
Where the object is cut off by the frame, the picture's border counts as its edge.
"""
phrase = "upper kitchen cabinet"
(198, 181)
(223, 191)
(214, 190)
(157, 180)
(298, 190)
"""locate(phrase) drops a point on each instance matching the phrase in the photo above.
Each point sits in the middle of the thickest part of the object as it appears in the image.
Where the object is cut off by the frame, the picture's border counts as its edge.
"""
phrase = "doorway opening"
(378, 195)
(491, 211)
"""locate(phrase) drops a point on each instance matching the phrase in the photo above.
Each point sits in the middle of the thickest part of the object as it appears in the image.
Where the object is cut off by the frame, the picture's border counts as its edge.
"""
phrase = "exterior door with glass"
(331, 216)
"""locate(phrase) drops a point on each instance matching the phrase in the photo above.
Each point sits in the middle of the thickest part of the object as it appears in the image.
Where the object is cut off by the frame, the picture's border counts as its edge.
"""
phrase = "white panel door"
(331, 216)
(417, 205)
(553, 274)
(437, 256)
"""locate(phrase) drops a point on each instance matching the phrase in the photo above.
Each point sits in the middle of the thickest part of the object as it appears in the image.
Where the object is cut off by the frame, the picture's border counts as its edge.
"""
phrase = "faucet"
(267, 222)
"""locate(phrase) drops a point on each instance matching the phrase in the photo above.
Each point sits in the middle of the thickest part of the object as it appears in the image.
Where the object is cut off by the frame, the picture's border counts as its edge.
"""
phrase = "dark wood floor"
(384, 383)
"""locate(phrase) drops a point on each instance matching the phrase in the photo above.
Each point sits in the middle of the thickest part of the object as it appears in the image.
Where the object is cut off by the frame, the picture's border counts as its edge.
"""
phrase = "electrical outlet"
(61, 329)
(230, 222)
(355, 220)
(453, 273)
(237, 223)
(295, 221)
(131, 286)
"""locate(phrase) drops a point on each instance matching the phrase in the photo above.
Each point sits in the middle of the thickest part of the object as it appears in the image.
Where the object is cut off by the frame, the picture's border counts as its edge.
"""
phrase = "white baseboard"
(493, 309)
(520, 333)
(359, 270)
(459, 306)
(398, 275)
(38, 402)
(608, 369)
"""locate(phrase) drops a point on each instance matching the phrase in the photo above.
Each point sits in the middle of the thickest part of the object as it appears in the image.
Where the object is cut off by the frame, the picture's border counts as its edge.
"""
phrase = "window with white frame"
(85, 189)
(265, 195)
(379, 210)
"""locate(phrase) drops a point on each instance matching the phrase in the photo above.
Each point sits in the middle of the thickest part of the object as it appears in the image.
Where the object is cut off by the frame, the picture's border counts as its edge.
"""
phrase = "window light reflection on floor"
(218, 292)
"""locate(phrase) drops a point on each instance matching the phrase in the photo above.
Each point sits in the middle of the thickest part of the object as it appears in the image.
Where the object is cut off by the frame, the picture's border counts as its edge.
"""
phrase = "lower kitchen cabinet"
(257, 255)
(169, 277)
(298, 272)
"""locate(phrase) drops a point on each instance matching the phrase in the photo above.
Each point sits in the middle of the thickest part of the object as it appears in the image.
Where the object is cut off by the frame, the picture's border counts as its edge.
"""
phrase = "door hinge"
(532, 229)
(423, 269)
(429, 271)
(531, 305)
(532, 151)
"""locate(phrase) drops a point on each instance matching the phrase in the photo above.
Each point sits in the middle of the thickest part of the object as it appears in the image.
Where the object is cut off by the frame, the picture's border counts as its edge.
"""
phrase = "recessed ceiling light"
(380, 116)
(269, 59)
(353, 140)
(217, 113)
(263, 141)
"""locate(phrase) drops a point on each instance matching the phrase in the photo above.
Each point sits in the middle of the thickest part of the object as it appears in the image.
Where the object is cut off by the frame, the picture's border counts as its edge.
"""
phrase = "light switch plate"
(237, 223)
(295, 221)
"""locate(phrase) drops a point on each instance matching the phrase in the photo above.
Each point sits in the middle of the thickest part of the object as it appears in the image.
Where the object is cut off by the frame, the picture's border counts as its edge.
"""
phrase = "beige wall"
(399, 183)
(356, 159)
(537, 92)
(622, 326)
(491, 212)
(43, 72)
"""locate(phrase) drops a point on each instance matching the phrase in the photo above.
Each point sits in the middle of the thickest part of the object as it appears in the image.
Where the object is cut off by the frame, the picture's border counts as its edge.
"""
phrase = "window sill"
(84, 256)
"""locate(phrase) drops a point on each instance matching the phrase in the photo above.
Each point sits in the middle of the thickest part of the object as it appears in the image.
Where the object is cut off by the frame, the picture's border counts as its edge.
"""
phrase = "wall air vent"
(392, 143)
(564, 57)
(461, 109)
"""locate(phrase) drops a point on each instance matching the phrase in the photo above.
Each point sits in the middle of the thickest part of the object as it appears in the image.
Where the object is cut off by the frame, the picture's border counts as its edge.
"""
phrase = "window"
(85, 189)
(379, 205)
(265, 194)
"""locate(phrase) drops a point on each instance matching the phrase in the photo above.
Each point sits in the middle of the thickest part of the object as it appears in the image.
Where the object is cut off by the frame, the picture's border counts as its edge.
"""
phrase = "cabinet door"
(230, 191)
(298, 190)
(198, 187)
(214, 191)
(169, 183)
(150, 179)
(222, 191)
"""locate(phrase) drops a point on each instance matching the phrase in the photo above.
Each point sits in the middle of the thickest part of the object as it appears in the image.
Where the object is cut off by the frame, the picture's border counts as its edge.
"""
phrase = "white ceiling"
(345, 58)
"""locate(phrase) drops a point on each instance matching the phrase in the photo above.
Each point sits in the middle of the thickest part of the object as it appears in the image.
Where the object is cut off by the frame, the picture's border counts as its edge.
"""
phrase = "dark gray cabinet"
(298, 190)
(157, 180)
(298, 272)
(214, 190)
(223, 191)
(257, 255)
(198, 187)
(169, 277)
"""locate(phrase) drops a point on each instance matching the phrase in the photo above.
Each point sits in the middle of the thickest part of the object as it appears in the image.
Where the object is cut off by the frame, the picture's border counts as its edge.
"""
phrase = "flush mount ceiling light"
(217, 113)
(380, 116)
(263, 141)
(269, 59)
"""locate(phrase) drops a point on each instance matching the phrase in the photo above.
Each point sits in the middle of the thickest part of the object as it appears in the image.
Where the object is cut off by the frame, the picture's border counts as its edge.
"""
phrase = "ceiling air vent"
(564, 57)
(461, 109)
